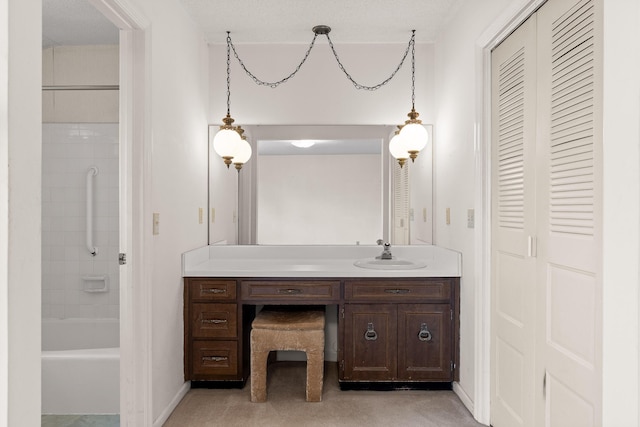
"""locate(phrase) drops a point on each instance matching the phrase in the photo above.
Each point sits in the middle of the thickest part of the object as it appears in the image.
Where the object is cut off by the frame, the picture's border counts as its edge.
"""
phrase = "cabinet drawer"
(398, 290)
(212, 290)
(298, 290)
(214, 320)
(219, 358)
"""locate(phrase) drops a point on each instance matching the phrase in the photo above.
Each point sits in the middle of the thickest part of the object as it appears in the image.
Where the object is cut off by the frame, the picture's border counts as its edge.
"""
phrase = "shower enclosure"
(80, 272)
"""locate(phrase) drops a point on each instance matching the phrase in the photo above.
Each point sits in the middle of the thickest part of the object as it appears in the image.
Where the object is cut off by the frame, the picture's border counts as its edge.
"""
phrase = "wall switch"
(200, 212)
(235, 216)
(213, 214)
(471, 218)
(448, 216)
(156, 224)
(424, 214)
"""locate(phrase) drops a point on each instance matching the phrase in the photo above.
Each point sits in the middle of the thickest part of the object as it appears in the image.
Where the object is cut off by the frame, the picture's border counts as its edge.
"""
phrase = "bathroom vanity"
(398, 322)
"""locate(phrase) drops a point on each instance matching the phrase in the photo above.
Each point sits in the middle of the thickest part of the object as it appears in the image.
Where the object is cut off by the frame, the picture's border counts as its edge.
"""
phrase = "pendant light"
(228, 143)
(243, 150)
(414, 135)
(398, 149)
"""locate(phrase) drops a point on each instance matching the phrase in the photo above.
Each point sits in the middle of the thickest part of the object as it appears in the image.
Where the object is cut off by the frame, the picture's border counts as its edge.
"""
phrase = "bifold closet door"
(569, 206)
(513, 228)
(546, 220)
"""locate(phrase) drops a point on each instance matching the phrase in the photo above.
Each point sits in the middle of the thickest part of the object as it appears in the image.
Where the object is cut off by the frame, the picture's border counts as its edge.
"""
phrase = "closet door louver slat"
(511, 142)
(572, 97)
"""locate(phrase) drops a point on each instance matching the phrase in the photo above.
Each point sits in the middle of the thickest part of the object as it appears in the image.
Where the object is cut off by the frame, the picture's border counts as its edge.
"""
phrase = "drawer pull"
(289, 291)
(371, 334)
(214, 321)
(424, 334)
(214, 358)
(214, 291)
(397, 291)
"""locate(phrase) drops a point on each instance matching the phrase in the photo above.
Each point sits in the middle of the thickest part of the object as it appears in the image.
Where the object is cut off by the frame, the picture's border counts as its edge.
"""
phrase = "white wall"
(320, 93)
(621, 240)
(455, 156)
(4, 212)
(177, 159)
(20, 144)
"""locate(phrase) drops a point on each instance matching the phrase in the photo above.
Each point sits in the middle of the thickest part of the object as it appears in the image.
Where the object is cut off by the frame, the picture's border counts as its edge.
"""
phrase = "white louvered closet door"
(569, 211)
(546, 262)
(513, 227)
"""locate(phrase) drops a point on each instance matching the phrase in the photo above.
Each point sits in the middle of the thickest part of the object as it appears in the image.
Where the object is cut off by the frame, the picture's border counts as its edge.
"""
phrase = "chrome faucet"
(386, 253)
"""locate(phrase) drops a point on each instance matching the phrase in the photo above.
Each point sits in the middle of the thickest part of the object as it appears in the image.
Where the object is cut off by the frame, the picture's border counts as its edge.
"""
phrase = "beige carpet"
(286, 405)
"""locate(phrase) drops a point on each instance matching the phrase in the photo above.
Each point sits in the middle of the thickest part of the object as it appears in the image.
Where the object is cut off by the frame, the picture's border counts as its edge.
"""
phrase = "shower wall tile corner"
(69, 149)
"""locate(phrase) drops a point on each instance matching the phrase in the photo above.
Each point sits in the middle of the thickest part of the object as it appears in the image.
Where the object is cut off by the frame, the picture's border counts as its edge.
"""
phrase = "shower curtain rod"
(82, 87)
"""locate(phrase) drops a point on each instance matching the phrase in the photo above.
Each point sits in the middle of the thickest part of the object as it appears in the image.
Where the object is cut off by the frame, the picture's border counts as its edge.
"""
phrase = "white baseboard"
(464, 397)
(164, 416)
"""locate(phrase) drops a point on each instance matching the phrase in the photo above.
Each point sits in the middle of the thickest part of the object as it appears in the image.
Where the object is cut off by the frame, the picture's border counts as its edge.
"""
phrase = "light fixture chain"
(384, 82)
(228, 74)
(279, 82)
(413, 70)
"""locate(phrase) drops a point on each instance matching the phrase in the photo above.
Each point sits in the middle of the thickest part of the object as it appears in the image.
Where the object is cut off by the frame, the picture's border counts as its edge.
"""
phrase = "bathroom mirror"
(320, 184)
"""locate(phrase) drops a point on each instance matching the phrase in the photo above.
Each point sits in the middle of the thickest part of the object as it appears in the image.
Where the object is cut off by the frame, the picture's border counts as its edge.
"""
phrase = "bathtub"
(80, 366)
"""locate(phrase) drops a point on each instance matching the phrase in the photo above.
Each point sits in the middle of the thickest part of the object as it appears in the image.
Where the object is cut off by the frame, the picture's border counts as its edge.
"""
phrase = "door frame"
(502, 26)
(135, 242)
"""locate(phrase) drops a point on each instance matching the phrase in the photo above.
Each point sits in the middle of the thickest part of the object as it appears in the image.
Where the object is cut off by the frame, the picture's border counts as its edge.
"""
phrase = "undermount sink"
(389, 264)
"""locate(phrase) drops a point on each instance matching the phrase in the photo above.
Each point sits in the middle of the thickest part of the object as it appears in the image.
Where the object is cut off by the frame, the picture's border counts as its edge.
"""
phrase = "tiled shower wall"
(68, 151)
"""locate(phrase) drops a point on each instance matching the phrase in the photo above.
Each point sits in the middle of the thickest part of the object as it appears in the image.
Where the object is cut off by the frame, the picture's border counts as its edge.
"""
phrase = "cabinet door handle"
(424, 334)
(397, 291)
(214, 321)
(214, 358)
(289, 291)
(214, 291)
(371, 334)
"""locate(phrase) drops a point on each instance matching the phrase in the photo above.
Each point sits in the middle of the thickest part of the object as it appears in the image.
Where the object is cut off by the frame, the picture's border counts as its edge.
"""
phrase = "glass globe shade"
(397, 147)
(225, 142)
(414, 136)
(242, 152)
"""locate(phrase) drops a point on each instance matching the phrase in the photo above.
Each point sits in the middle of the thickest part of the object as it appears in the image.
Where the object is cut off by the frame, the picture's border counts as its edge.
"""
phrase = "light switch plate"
(471, 220)
(200, 212)
(448, 216)
(156, 224)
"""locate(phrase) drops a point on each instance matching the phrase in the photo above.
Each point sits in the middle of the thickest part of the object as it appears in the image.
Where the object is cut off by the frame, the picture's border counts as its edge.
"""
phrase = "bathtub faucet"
(386, 253)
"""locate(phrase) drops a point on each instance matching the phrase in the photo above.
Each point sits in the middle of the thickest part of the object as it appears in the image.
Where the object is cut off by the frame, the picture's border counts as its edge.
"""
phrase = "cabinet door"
(371, 345)
(425, 342)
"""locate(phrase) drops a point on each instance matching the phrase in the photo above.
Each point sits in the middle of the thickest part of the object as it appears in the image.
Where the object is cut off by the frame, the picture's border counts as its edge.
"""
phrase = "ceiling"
(76, 22)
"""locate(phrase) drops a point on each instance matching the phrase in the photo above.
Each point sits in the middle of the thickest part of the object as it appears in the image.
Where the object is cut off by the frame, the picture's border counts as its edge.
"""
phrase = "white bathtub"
(80, 366)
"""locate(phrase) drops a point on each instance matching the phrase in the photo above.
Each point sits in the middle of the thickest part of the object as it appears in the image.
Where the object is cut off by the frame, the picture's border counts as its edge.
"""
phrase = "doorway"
(134, 333)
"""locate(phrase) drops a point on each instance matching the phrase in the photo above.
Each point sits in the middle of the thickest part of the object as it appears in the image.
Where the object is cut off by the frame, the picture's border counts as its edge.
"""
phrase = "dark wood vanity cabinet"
(399, 330)
(213, 338)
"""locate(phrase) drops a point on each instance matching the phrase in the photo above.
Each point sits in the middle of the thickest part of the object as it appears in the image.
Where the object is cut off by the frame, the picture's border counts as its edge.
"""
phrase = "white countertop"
(314, 261)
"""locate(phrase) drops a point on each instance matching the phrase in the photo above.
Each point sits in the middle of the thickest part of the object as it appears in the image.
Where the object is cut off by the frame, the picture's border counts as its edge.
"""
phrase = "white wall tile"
(69, 149)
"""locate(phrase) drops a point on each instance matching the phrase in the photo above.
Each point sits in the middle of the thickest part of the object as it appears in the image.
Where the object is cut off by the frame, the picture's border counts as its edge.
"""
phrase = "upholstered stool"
(285, 328)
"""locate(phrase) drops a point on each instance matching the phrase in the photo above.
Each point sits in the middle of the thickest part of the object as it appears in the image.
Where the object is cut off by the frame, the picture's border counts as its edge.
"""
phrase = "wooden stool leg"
(315, 375)
(259, 376)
